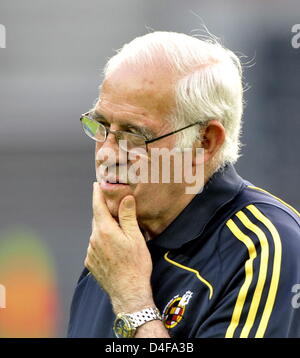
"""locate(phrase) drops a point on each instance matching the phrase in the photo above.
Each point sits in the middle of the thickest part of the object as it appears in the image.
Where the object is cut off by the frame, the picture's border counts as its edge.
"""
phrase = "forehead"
(145, 91)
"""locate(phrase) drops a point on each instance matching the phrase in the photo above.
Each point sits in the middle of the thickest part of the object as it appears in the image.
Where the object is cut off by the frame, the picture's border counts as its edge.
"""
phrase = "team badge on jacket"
(174, 310)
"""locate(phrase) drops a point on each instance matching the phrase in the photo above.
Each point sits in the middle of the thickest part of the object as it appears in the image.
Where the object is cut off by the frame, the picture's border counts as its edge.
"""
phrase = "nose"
(109, 152)
(110, 142)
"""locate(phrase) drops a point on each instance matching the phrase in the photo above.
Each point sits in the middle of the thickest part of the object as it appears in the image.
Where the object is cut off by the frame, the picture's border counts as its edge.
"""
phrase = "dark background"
(49, 74)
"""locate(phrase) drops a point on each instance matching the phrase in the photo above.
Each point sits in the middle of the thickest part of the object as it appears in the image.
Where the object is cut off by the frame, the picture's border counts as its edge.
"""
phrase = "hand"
(118, 256)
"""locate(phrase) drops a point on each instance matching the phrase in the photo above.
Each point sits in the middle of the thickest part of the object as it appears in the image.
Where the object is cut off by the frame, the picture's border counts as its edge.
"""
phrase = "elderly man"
(161, 262)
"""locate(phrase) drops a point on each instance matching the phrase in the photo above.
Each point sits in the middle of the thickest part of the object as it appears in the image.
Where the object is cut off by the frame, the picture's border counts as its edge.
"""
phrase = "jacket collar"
(221, 188)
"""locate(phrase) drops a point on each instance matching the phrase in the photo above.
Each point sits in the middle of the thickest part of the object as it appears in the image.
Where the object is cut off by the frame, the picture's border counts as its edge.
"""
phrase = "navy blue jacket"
(227, 266)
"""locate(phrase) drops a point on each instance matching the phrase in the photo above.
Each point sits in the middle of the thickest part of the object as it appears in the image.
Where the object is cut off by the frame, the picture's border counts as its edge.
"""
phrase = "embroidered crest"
(174, 310)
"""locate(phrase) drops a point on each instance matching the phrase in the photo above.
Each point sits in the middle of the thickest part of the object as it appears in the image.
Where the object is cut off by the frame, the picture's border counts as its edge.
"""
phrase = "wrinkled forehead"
(148, 87)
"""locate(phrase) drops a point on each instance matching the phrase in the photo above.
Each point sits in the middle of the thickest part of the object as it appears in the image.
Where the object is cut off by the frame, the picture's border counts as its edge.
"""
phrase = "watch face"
(123, 329)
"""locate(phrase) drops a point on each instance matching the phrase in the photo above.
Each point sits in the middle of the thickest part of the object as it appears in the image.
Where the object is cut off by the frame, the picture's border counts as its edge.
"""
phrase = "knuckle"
(92, 241)
(127, 216)
(101, 228)
(98, 227)
(105, 230)
(89, 251)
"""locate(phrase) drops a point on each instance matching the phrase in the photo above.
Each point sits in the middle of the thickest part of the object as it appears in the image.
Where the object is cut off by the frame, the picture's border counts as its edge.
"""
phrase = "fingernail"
(129, 203)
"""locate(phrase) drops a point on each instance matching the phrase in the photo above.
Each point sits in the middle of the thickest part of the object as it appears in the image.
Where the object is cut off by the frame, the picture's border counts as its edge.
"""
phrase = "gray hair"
(209, 86)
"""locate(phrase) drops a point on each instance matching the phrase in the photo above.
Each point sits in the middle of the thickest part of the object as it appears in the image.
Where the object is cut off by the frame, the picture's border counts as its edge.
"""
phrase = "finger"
(100, 208)
(127, 217)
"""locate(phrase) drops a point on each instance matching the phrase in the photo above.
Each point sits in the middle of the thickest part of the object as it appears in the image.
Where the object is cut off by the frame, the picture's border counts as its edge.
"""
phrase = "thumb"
(127, 216)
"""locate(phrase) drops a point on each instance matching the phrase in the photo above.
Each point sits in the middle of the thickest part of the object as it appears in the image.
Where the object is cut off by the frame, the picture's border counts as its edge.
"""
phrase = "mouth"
(112, 184)
(114, 181)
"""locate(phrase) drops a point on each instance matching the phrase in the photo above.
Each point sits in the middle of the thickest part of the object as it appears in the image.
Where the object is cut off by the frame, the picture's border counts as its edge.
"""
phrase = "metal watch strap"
(147, 314)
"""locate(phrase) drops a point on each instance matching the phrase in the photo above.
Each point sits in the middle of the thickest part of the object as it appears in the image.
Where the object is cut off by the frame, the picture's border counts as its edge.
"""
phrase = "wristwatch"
(126, 324)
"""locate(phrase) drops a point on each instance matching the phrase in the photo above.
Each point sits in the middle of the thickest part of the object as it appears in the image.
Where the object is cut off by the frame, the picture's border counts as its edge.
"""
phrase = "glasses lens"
(93, 129)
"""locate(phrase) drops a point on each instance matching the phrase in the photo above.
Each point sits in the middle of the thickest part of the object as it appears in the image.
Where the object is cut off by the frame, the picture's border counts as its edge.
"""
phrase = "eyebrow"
(146, 132)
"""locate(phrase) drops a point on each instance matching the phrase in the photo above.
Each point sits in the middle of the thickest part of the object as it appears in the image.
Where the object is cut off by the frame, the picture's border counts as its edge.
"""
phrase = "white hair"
(209, 85)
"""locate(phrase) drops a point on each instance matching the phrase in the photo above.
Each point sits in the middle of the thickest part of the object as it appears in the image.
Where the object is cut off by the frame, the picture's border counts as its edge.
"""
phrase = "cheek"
(145, 196)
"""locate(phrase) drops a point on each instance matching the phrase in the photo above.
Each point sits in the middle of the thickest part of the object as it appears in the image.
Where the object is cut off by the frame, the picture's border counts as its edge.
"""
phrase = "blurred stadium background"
(49, 74)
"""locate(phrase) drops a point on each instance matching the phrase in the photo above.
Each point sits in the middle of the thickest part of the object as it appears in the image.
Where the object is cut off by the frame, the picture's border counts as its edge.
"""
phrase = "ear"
(212, 139)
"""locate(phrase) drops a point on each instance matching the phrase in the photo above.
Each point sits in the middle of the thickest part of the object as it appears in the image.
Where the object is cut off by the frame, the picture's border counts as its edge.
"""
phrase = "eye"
(104, 123)
(134, 130)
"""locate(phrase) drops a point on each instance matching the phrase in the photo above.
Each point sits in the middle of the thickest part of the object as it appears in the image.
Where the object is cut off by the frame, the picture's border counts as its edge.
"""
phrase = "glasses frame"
(116, 133)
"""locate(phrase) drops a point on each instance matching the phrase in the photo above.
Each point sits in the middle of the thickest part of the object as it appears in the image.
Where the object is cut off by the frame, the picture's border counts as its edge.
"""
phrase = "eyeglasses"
(126, 140)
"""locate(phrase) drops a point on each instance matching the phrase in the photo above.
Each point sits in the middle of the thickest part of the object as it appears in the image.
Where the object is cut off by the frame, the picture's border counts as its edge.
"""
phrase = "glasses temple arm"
(168, 134)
